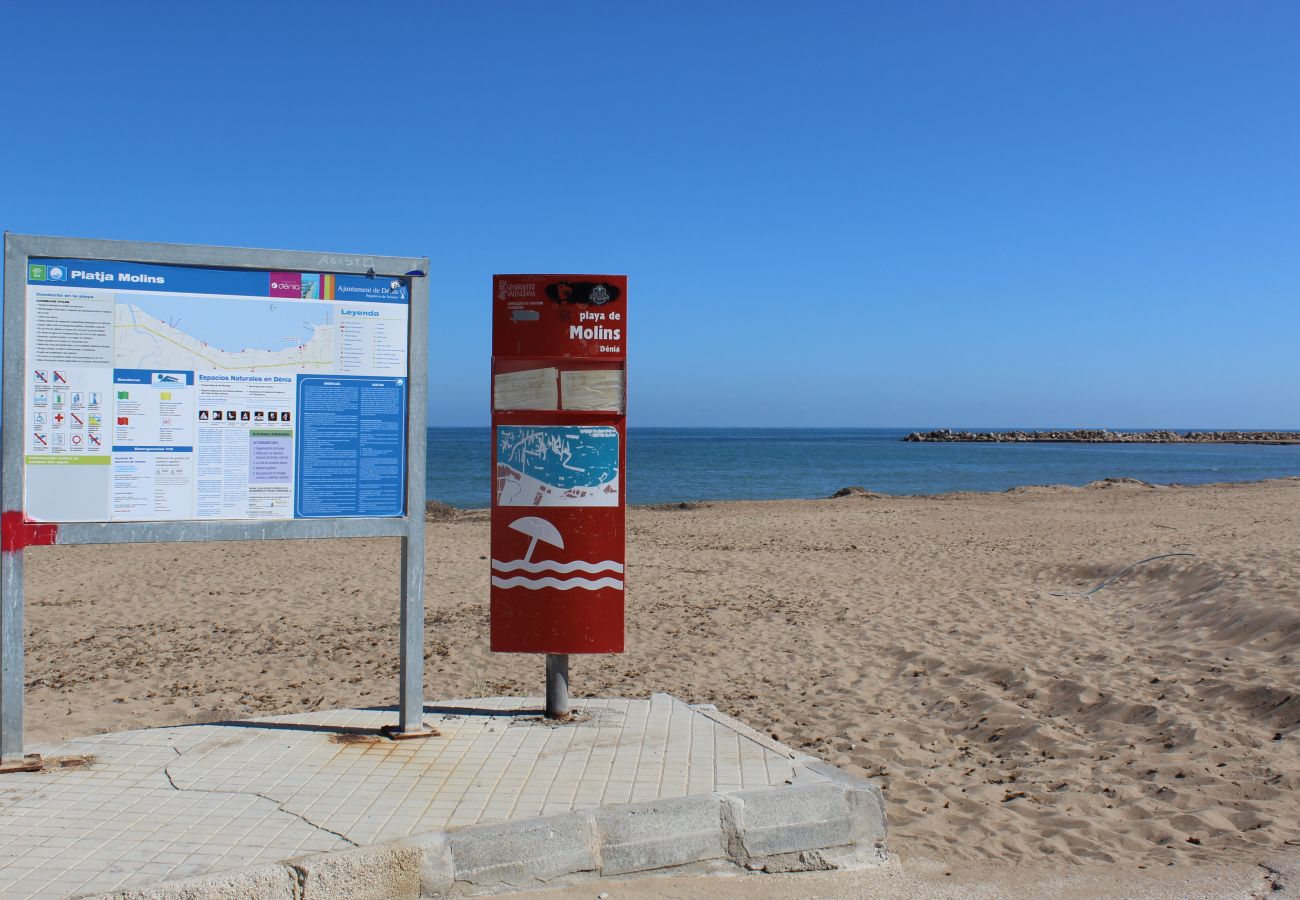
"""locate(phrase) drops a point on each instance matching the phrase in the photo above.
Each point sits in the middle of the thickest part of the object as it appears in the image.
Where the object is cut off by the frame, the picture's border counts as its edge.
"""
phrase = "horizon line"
(973, 428)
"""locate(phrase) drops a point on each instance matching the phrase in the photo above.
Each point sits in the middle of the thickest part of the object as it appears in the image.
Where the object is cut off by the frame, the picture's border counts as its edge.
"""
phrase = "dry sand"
(915, 641)
(930, 880)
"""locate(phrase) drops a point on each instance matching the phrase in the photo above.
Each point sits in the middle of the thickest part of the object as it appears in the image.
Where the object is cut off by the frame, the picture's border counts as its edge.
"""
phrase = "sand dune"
(917, 641)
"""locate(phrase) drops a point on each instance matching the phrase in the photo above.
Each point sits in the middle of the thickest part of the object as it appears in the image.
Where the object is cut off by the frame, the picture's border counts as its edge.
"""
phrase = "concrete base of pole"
(557, 685)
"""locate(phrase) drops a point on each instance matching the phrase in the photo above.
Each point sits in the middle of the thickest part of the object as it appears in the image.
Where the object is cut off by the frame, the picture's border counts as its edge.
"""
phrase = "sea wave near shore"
(944, 646)
(671, 465)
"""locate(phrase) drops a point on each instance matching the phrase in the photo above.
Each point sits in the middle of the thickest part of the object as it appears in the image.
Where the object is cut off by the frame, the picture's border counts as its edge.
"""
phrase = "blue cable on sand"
(1122, 572)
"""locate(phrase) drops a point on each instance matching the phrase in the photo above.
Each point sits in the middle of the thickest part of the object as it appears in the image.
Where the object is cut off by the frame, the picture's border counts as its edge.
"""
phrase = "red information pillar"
(559, 400)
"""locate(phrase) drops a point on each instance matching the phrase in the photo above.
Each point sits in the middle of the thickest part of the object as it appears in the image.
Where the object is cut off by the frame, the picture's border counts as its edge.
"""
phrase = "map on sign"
(168, 393)
(234, 335)
(557, 465)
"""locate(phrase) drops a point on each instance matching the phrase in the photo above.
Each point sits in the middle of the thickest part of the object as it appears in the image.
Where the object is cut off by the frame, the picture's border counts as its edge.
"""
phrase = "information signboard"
(168, 393)
(559, 400)
(175, 392)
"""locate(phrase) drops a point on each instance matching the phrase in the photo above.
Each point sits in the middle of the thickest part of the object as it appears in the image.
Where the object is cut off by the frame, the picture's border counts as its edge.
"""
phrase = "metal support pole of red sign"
(559, 403)
(557, 685)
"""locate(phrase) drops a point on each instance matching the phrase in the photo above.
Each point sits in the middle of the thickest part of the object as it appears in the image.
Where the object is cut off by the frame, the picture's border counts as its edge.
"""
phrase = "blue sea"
(671, 465)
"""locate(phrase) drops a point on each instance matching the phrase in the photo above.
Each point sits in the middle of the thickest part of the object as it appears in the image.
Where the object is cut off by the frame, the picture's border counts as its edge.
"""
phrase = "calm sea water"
(668, 465)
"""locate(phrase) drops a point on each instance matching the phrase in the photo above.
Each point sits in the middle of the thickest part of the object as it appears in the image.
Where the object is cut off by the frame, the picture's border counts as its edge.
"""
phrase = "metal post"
(11, 658)
(411, 690)
(557, 685)
(11, 501)
(411, 699)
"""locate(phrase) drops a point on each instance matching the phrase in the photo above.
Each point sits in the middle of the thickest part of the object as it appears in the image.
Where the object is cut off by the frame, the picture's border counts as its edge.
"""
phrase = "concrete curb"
(822, 819)
(780, 829)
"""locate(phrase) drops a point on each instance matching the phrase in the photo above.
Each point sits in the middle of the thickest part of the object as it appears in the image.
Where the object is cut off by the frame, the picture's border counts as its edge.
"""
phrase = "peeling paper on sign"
(599, 389)
(529, 389)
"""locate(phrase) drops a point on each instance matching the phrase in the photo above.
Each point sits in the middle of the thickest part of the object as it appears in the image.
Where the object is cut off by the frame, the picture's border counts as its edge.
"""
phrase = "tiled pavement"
(170, 802)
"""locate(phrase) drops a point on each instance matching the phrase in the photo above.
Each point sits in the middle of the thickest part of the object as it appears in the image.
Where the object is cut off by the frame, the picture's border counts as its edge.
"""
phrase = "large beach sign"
(167, 392)
(559, 366)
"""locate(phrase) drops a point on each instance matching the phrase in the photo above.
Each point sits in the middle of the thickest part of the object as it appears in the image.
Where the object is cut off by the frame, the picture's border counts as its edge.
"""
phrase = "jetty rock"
(1105, 436)
(855, 490)
(437, 511)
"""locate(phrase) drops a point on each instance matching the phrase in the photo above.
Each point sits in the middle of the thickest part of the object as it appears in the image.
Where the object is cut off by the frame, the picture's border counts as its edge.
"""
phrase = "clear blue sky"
(831, 213)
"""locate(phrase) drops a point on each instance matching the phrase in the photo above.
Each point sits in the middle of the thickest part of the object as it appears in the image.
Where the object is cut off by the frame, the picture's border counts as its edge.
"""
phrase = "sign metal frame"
(18, 534)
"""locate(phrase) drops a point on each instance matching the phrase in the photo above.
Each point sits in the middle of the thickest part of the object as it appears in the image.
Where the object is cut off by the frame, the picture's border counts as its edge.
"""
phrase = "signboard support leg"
(411, 693)
(557, 685)
(11, 666)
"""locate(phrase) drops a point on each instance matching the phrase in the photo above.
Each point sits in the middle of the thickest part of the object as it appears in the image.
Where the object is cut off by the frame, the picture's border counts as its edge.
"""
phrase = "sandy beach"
(943, 646)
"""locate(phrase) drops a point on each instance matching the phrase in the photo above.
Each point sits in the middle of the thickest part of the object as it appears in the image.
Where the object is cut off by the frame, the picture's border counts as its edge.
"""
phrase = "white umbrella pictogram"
(538, 530)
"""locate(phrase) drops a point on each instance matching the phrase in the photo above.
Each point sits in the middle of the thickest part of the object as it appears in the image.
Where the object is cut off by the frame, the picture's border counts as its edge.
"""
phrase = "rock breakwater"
(1106, 436)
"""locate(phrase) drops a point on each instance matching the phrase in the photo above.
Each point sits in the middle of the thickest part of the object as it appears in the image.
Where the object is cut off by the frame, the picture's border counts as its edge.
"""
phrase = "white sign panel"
(168, 393)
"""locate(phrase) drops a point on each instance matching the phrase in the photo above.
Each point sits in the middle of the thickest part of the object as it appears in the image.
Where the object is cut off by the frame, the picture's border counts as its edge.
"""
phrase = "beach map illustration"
(236, 335)
(557, 465)
(169, 393)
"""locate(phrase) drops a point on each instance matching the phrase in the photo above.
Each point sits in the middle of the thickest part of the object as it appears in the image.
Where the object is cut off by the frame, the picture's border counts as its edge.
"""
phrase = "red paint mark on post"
(16, 532)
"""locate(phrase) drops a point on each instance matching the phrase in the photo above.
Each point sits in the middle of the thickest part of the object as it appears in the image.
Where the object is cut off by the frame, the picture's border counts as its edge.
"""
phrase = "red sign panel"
(567, 316)
(559, 455)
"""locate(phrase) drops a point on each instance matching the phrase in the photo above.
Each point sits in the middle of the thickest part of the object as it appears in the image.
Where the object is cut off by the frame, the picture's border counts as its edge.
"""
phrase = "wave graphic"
(547, 565)
(560, 584)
